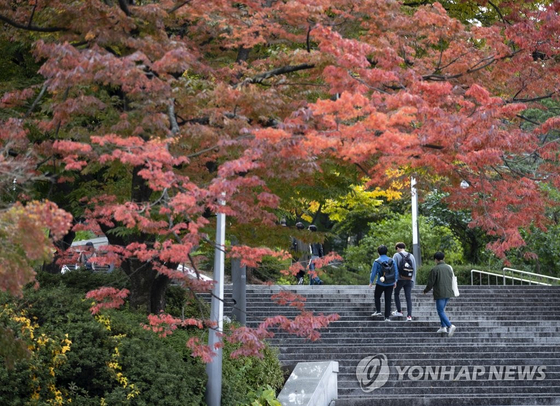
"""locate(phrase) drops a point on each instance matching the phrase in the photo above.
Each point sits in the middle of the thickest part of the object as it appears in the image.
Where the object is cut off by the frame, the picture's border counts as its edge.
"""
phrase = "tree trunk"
(473, 248)
(159, 289)
(147, 286)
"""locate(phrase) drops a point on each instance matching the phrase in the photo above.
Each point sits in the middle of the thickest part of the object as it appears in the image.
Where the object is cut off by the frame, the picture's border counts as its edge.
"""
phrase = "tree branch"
(36, 101)
(124, 7)
(533, 99)
(481, 64)
(308, 39)
(242, 54)
(452, 62)
(417, 3)
(32, 15)
(519, 92)
(172, 119)
(360, 167)
(203, 151)
(432, 146)
(30, 27)
(528, 119)
(178, 6)
(499, 13)
(275, 72)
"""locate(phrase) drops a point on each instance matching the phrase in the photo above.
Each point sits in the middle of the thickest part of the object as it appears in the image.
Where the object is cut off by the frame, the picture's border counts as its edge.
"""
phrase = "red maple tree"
(156, 110)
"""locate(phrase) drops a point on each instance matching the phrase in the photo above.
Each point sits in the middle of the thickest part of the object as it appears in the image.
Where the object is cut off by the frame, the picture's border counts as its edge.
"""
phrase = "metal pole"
(214, 368)
(415, 235)
(239, 281)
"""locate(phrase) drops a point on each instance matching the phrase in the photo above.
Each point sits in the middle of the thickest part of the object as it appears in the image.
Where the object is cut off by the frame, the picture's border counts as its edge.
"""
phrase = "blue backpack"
(388, 271)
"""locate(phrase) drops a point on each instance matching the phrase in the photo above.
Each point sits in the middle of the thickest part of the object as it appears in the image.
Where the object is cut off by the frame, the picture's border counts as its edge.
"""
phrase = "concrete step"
(461, 388)
(452, 399)
(406, 328)
(497, 327)
(353, 353)
(416, 295)
(418, 341)
(365, 291)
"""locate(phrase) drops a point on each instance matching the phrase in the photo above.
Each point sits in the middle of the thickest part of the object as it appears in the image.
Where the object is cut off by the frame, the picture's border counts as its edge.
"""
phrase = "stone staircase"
(506, 350)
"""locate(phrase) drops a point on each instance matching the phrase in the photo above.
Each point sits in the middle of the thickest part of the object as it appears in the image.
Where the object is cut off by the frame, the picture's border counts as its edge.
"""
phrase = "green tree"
(541, 254)
(472, 239)
(396, 228)
(353, 211)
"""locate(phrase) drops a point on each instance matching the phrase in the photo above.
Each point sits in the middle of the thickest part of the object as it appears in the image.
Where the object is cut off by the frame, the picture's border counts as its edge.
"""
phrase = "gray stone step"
(405, 328)
(419, 339)
(497, 327)
(462, 387)
(425, 353)
(452, 399)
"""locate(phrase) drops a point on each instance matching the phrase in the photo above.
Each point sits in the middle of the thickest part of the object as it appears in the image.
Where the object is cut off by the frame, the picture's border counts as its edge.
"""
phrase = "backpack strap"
(389, 262)
(401, 263)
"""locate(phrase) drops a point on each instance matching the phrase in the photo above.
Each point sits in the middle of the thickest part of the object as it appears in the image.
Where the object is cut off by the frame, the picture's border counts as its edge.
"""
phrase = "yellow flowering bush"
(113, 364)
(47, 354)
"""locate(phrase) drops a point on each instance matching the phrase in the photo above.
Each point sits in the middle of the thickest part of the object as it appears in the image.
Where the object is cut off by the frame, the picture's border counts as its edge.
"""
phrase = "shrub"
(109, 358)
(82, 281)
(341, 275)
(245, 375)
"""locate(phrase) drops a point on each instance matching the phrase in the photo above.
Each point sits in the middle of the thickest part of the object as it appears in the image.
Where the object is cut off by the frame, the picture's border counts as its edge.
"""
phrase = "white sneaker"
(387, 319)
(375, 314)
(397, 313)
(408, 318)
(442, 330)
(452, 330)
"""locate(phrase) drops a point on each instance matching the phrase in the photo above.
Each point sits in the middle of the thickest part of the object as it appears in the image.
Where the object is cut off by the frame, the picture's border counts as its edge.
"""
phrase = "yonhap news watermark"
(373, 372)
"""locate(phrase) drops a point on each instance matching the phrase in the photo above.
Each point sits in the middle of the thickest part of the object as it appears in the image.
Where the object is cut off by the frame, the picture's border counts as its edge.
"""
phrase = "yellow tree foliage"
(359, 198)
(26, 234)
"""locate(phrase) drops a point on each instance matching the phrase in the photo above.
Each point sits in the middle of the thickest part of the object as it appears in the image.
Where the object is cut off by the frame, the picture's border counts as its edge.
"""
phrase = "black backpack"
(388, 271)
(406, 268)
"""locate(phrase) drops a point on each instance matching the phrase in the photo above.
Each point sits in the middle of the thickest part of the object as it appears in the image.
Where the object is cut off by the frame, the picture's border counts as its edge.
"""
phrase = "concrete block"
(311, 384)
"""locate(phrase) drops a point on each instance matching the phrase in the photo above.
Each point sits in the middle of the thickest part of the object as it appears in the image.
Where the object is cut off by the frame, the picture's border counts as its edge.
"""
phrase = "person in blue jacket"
(385, 271)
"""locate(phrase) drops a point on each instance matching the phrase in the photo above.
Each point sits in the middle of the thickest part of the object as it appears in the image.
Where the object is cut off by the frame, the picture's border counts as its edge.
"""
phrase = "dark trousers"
(407, 285)
(388, 291)
(313, 280)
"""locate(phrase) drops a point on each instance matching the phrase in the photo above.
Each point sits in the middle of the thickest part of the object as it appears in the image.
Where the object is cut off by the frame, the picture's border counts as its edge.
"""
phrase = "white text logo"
(372, 372)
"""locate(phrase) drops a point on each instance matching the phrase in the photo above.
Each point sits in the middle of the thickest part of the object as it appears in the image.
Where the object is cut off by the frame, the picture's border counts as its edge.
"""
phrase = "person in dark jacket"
(440, 280)
(301, 252)
(400, 258)
(86, 255)
(316, 251)
(382, 286)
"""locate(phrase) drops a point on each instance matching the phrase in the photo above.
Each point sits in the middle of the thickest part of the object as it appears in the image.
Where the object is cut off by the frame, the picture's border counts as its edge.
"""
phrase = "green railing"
(515, 276)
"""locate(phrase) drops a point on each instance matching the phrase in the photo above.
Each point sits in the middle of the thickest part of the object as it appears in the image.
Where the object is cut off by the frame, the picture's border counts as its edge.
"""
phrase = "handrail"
(546, 277)
(507, 277)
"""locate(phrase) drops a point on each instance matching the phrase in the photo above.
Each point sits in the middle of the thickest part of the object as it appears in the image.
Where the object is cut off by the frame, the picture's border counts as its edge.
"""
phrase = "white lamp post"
(415, 234)
(214, 368)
